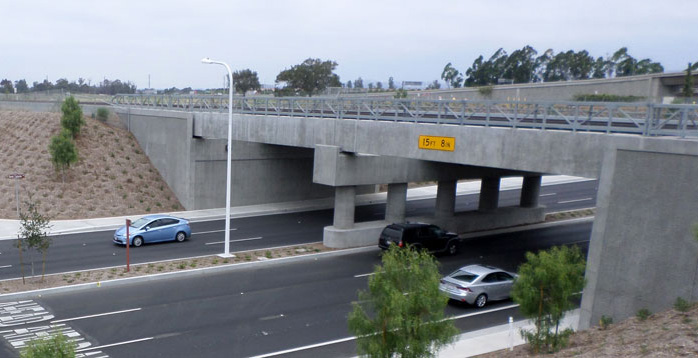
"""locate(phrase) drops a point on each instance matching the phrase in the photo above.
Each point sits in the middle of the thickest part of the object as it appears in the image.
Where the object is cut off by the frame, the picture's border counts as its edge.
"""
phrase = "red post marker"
(128, 240)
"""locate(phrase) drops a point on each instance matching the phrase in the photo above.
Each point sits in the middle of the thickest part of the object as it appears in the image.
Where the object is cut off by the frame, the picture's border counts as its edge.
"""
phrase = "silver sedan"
(478, 284)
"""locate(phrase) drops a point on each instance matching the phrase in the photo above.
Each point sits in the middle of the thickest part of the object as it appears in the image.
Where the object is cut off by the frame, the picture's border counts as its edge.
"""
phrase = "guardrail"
(645, 119)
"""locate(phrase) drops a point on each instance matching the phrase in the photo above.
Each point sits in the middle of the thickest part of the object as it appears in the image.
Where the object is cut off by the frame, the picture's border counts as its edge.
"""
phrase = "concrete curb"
(186, 273)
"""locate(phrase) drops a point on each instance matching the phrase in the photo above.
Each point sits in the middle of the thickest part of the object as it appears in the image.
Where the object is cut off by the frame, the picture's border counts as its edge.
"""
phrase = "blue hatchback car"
(154, 228)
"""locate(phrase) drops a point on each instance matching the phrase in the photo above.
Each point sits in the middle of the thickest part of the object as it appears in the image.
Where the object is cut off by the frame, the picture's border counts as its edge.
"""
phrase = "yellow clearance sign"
(437, 143)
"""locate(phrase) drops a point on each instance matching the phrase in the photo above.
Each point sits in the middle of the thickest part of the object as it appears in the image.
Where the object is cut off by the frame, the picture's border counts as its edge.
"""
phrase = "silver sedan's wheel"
(481, 301)
(137, 241)
(180, 236)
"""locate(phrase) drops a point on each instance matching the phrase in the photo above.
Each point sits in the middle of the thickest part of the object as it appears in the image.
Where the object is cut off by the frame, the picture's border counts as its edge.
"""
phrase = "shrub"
(682, 305)
(485, 91)
(643, 314)
(102, 114)
(53, 346)
(605, 322)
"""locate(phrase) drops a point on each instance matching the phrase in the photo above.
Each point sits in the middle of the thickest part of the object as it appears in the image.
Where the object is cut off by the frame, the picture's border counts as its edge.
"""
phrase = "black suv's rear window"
(392, 233)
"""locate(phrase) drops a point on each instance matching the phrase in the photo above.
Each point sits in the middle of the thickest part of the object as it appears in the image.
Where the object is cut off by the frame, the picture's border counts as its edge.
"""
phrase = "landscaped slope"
(112, 177)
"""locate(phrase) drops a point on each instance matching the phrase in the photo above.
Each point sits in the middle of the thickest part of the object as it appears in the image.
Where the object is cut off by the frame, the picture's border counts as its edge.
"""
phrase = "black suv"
(420, 236)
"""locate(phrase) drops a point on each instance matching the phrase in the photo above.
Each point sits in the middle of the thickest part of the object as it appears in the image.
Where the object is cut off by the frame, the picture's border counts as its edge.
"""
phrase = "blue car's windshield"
(140, 222)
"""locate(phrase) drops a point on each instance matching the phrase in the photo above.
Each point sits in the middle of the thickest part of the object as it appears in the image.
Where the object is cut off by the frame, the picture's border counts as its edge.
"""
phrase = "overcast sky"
(372, 39)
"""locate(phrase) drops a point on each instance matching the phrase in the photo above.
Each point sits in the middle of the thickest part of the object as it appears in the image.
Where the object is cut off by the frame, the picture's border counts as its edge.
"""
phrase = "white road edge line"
(94, 315)
(210, 232)
(574, 201)
(322, 344)
(113, 344)
(6, 266)
(549, 194)
(239, 240)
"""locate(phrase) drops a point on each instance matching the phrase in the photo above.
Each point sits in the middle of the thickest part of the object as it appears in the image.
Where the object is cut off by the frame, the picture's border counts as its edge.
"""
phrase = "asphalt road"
(260, 308)
(94, 250)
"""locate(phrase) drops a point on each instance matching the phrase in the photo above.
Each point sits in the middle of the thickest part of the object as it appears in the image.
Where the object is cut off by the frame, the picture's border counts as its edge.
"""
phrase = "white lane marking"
(210, 232)
(239, 240)
(549, 194)
(114, 344)
(364, 275)
(574, 201)
(272, 317)
(322, 344)
(95, 315)
(6, 266)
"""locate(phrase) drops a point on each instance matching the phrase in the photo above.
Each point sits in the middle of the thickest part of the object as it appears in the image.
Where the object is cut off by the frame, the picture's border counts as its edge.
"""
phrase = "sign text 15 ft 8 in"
(437, 143)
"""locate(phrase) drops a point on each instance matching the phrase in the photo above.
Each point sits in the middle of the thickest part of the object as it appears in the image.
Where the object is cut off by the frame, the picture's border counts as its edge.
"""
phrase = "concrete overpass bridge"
(644, 155)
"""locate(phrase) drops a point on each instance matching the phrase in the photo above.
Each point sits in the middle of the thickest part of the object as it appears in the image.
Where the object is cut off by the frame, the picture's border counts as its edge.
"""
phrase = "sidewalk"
(9, 228)
(498, 338)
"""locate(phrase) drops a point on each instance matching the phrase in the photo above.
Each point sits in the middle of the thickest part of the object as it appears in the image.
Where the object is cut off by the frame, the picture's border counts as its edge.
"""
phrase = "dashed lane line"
(212, 231)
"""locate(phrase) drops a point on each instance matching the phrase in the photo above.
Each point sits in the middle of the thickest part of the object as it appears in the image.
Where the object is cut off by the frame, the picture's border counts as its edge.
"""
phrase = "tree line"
(526, 65)
(80, 86)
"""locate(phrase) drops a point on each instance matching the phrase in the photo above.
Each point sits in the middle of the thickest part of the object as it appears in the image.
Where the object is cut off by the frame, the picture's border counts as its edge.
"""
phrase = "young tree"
(72, 116)
(391, 83)
(54, 346)
(310, 77)
(402, 313)
(359, 83)
(379, 86)
(33, 235)
(245, 80)
(63, 152)
(349, 84)
(544, 290)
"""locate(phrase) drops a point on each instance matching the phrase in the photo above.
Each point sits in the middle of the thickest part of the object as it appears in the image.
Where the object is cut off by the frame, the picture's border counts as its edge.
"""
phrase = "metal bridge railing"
(645, 119)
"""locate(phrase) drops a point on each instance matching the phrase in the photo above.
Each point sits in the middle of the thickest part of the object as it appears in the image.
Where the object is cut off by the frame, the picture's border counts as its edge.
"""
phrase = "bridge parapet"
(646, 119)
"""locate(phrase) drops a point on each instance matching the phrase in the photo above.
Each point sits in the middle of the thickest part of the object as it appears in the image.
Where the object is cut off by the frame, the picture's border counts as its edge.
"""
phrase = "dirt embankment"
(113, 177)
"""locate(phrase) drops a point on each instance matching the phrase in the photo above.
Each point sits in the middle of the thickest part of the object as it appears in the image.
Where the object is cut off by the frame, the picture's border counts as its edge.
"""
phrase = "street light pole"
(226, 252)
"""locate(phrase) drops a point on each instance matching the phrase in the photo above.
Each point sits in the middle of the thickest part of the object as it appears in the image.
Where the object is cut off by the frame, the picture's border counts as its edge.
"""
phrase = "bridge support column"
(344, 206)
(489, 194)
(445, 199)
(396, 202)
(530, 191)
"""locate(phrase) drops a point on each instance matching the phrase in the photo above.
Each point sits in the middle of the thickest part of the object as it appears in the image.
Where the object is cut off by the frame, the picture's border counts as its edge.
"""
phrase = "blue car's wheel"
(180, 236)
(137, 241)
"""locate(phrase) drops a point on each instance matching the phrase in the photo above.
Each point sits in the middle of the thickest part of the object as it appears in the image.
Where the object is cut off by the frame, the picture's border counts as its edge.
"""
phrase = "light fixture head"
(206, 60)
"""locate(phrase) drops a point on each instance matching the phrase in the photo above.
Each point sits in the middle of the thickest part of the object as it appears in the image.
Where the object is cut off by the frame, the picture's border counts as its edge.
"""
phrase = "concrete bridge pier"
(445, 199)
(396, 203)
(489, 194)
(344, 206)
(530, 191)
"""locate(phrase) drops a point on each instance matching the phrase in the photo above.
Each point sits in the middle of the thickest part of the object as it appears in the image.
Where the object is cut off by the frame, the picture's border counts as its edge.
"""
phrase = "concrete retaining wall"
(643, 253)
(195, 167)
